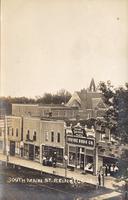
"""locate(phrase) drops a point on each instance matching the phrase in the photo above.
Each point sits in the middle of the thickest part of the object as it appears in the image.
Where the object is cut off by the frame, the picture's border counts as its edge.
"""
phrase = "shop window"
(26, 150)
(72, 158)
(46, 136)
(34, 136)
(37, 152)
(28, 135)
(17, 132)
(58, 137)
(52, 136)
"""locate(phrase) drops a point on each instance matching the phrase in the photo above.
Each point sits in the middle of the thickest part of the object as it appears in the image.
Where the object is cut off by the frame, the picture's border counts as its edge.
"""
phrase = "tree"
(116, 116)
(62, 96)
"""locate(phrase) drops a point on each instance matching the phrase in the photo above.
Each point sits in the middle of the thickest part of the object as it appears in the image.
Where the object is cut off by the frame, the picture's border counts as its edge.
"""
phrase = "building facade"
(49, 111)
(89, 102)
(14, 135)
(43, 138)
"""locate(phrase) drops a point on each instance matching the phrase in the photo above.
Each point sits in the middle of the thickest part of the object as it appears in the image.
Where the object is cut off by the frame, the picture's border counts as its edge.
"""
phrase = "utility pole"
(6, 141)
(65, 156)
(66, 159)
(95, 161)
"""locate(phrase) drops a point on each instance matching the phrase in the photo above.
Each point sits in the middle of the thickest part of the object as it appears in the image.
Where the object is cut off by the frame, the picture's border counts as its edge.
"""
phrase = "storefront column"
(85, 158)
(100, 162)
(95, 160)
(41, 154)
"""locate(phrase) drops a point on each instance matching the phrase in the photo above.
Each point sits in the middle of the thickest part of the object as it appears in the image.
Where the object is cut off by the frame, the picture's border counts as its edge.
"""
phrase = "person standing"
(111, 170)
(99, 179)
(106, 170)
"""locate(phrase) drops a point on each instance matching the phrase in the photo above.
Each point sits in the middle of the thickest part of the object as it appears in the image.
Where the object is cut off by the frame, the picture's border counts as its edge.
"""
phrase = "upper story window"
(58, 137)
(28, 135)
(16, 132)
(46, 136)
(52, 136)
(34, 136)
(12, 132)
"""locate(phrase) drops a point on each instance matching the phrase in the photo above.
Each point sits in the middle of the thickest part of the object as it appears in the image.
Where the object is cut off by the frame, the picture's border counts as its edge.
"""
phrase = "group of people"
(111, 170)
(49, 161)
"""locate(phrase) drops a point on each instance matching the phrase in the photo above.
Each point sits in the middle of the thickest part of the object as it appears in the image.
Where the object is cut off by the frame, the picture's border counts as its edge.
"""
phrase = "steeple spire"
(92, 87)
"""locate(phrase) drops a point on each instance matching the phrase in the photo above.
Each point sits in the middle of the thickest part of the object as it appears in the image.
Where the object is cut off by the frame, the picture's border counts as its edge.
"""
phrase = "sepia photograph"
(64, 100)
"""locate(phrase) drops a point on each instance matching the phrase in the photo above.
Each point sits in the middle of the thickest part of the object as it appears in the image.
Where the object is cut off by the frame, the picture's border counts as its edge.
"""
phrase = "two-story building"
(14, 135)
(43, 137)
(53, 139)
(48, 111)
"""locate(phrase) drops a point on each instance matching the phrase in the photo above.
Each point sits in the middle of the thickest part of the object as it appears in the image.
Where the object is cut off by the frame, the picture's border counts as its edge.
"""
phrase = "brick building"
(49, 111)
(89, 102)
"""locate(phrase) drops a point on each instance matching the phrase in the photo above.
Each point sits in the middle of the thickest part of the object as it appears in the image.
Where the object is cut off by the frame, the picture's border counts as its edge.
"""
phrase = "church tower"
(92, 87)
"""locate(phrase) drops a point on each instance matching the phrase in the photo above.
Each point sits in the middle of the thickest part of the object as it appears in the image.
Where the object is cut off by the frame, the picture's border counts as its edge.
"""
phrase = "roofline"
(19, 104)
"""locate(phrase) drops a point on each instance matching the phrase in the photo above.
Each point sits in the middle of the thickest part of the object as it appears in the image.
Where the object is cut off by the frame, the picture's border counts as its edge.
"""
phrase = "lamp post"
(66, 159)
(6, 141)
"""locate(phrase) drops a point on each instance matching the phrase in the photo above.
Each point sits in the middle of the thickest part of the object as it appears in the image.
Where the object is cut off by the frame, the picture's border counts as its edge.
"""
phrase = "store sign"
(78, 131)
(80, 141)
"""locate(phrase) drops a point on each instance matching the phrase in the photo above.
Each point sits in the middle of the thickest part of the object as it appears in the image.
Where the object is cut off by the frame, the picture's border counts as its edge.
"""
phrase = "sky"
(47, 45)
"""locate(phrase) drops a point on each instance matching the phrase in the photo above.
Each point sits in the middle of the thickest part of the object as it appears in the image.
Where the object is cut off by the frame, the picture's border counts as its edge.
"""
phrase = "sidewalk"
(110, 182)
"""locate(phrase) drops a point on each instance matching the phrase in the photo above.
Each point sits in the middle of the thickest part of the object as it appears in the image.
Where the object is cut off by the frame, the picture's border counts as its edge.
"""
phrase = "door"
(12, 148)
(31, 151)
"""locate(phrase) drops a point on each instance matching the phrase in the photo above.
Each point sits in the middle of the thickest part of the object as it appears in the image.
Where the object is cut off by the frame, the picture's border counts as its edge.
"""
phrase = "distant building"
(5, 108)
(47, 111)
(25, 110)
(88, 101)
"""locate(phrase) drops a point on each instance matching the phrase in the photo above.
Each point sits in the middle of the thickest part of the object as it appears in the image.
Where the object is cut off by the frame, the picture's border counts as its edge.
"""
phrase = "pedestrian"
(126, 191)
(99, 179)
(111, 170)
(116, 169)
(106, 170)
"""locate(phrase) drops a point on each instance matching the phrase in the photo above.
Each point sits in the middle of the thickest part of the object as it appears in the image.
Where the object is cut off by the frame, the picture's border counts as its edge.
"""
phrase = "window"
(46, 136)
(34, 136)
(58, 137)
(28, 135)
(16, 132)
(52, 136)
(12, 132)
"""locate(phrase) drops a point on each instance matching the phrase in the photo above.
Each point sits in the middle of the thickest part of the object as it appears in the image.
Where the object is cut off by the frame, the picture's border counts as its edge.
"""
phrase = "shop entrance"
(31, 151)
(12, 148)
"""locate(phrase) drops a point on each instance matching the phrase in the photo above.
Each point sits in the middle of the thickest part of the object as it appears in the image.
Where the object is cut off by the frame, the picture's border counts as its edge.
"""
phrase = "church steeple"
(92, 87)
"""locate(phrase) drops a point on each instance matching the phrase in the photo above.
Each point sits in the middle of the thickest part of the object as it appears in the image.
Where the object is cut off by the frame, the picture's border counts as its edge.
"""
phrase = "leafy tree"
(62, 96)
(116, 116)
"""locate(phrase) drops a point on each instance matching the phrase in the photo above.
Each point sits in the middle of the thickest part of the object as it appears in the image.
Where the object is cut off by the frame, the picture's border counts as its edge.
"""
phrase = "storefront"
(50, 152)
(31, 151)
(80, 151)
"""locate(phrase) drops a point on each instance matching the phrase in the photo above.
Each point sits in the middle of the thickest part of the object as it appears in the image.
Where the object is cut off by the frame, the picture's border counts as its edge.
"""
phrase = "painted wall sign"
(80, 141)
